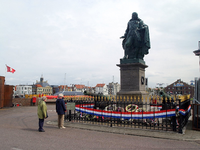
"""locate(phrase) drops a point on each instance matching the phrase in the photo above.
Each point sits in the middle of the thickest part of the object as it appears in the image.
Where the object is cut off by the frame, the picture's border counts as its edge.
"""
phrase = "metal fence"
(166, 114)
(196, 117)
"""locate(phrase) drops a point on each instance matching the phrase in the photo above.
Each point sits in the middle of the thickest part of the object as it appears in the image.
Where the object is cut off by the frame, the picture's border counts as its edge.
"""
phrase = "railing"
(132, 112)
(184, 114)
(34, 95)
(196, 117)
(195, 101)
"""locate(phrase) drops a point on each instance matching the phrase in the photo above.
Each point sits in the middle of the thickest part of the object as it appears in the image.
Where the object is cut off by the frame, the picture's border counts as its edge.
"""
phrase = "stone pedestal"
(132, 79)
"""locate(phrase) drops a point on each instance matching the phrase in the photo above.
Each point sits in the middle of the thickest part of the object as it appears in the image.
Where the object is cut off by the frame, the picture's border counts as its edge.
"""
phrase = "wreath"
(131, 108)
(111, 107)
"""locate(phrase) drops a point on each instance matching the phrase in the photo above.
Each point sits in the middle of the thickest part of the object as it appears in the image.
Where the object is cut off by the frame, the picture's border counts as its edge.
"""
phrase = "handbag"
(46, 115)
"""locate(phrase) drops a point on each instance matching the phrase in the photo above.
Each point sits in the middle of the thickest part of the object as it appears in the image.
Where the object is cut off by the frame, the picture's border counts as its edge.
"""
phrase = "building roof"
(179, 83)
(63, 86)
(78, 86)
(65, 93)
(100, 85)
(38, 85)
(54, 86)
(42, 82)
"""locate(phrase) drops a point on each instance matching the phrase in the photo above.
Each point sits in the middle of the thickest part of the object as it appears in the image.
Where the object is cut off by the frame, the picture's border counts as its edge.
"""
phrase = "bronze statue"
(136, 41)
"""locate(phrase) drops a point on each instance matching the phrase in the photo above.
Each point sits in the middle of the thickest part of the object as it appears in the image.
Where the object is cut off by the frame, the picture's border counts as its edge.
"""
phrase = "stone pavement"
(189, 134)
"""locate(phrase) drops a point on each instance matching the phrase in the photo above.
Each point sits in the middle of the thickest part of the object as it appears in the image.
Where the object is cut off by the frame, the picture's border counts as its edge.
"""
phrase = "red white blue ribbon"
(126, 115)
(156, 106)
(184, 112)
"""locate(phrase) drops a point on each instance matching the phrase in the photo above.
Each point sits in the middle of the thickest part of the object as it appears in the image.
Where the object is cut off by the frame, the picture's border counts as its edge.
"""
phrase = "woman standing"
(42, 113)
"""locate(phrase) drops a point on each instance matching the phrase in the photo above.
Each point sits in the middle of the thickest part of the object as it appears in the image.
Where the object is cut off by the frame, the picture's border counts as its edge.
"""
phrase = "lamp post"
(197, 53)
(197, 95)
(160, 84)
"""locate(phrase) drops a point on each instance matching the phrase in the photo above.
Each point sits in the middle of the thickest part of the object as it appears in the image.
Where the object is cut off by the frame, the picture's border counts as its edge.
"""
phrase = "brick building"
(180, 87)
(6, 93)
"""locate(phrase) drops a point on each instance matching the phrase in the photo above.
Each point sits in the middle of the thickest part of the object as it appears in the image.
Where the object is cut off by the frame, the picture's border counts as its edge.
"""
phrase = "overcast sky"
(79, 39)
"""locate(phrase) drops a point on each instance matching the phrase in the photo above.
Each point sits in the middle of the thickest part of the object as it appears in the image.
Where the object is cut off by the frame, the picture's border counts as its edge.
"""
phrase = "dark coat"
(60, 107)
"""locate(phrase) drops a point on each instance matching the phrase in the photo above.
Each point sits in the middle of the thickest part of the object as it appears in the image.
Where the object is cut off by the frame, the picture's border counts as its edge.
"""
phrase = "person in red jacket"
(60, 109)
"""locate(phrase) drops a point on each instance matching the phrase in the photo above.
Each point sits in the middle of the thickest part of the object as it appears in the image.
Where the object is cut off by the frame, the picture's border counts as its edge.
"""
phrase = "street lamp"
(197, 53)
(160, 84)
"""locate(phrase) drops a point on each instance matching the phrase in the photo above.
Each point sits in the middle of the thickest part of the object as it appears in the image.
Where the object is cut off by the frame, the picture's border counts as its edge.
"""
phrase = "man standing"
(42, 113)
(60, 109)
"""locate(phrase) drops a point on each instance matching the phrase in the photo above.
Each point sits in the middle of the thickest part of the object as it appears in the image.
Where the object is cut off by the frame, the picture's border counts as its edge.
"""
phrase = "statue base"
(133, 80)
(129, 61)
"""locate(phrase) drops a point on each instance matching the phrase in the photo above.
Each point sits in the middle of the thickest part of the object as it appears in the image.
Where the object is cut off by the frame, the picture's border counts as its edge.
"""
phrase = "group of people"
(42, 112)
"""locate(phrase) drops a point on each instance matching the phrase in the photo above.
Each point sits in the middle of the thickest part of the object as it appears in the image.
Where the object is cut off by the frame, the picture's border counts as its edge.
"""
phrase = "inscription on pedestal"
(132, 79)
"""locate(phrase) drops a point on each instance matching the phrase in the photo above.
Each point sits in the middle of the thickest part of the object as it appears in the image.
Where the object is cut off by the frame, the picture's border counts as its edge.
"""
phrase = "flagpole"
(5, 74)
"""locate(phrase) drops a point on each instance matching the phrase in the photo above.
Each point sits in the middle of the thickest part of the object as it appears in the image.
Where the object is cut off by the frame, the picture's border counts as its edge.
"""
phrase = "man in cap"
(60, 109)
(42, 113)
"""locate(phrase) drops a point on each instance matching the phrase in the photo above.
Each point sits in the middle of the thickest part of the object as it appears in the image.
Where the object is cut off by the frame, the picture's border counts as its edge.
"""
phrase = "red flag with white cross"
(9, 69)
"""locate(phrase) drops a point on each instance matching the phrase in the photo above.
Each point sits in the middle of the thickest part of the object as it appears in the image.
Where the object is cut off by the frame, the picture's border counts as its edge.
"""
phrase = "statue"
(136, 42)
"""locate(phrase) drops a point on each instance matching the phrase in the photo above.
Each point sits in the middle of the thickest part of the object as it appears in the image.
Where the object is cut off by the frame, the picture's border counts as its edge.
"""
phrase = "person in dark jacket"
(60, 109)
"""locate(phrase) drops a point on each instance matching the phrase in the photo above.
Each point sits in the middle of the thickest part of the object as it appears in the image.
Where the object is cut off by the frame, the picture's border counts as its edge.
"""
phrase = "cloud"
(81, 39)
